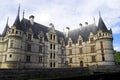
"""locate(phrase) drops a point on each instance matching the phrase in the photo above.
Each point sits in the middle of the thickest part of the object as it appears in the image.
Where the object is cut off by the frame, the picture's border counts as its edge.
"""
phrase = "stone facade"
(27, 44)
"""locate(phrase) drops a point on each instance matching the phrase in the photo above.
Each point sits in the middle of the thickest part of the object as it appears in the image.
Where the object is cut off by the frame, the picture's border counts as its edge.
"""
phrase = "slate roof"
(84, 32)
(25, 24)
(36, 28)
(17, 20)
(5, 29)
(101, 25)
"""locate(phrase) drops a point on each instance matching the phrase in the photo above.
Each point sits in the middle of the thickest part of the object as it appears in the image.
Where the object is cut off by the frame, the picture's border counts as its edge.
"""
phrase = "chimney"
(66, 31)
(80, 26)
(86, 23)
(31, 18)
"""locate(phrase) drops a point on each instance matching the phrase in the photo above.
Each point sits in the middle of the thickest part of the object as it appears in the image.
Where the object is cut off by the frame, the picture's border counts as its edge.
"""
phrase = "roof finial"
(94, 19)
(7, 21)
(99, 13)
(23, 13)
(19, 10)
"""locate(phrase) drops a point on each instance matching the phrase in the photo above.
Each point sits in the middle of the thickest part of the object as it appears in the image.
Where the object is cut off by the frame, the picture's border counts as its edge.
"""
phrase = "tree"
(117, 57)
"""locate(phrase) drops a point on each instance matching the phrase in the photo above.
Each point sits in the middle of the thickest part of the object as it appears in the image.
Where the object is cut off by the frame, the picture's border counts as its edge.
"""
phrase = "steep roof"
(17, 20)
(36, 28)
(5, 29)
(101, 24)
(84, 32)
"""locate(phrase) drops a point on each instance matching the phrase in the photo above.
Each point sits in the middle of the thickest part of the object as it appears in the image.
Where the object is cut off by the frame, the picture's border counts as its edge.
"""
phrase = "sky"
(64, 13)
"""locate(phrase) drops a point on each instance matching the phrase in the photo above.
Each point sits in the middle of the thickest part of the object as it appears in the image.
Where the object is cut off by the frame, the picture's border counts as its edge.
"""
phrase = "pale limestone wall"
(86, 55)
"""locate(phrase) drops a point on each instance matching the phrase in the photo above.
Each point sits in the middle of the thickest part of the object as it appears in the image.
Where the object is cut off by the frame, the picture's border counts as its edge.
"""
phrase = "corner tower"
(13, 36)
(104, 44)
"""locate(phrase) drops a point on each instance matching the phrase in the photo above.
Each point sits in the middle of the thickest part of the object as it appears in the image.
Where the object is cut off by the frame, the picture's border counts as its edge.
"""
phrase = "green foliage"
(117, 57)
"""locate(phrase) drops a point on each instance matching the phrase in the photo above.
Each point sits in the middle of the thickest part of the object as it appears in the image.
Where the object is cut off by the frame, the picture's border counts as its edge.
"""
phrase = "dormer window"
(29, 47)
(12, 30)
(54, 37)
(99, 34)
(51, 37)
(91, 40)
(29, 37)
(41, 39)
(80, 42)
(70, 44)
(40, 36)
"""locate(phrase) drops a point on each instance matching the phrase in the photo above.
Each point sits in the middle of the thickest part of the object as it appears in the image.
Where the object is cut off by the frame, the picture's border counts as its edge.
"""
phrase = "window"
(54, 64)
(101, 45)
(80, 50)
(91, 40)
(50, 55)
(27, 58)
(54, 37)
(54, 56)
(16, 32)
(12, 30)
(62, 52)
(10, 55)
(28, 47)
(103, 57)
(51, 37)
(54, 47)
(29, 36)
(41, 39)
(62, 43)
(92, 49)
(70, 60)
(70, 44)
(62, 60)
(51, 64)
(11, 43)
(99, 34)
(50, 46)
(80, 42)
(40, 49)
(40, 59)
(93, 59)
(70, 51)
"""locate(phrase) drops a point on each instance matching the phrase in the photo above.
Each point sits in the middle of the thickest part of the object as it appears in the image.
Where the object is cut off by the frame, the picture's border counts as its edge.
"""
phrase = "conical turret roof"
(101, 24)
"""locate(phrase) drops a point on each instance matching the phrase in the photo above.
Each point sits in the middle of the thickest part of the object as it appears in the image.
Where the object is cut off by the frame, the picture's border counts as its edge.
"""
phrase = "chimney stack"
(80, 26)
(66, 31)
(86, 23)
(31, 18)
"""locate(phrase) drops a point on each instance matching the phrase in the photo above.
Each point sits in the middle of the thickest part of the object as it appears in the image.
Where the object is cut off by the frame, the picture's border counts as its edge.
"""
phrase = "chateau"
(27, 44)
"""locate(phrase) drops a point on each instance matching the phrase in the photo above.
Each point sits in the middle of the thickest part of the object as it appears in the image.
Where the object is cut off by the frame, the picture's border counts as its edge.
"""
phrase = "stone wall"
(26, 74)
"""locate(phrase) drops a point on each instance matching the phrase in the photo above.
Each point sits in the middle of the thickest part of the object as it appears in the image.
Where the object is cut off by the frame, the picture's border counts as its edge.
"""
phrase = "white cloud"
(116, 30)
(117, 48)
(62, 13)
